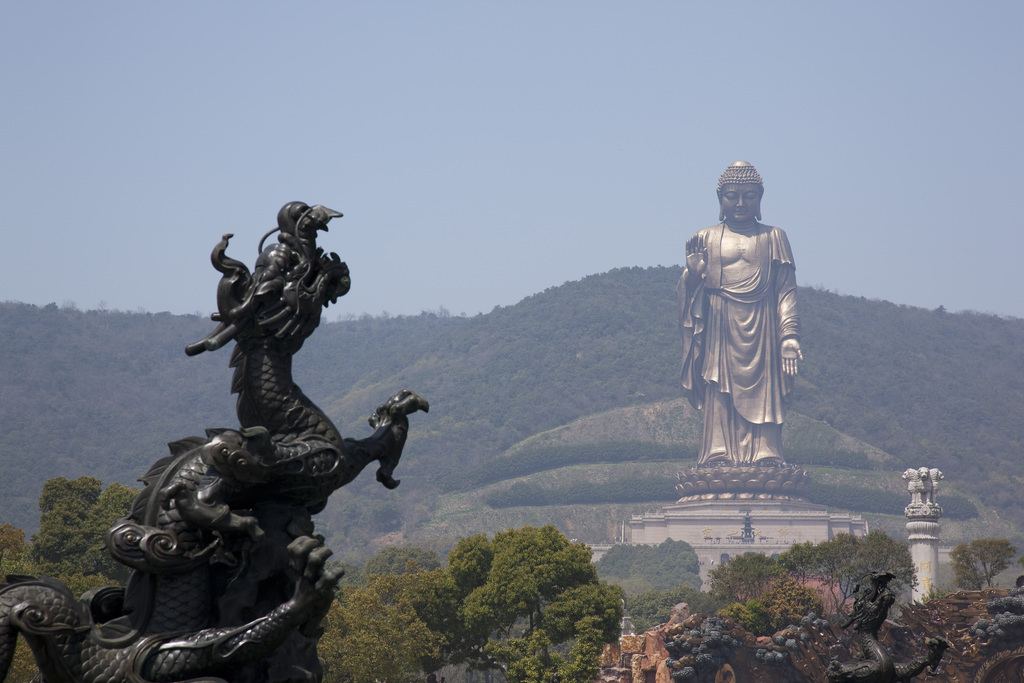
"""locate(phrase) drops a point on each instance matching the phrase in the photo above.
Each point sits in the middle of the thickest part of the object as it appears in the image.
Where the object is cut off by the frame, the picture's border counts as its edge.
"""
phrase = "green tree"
(374, 634)
(531, 660)
(836, 559)
(12, 547)
(506, 604)
(980, 561)
(802, 561)
(641, 568)
(879, 550)
(354, 573)
(65, 504)
(396, 559)
(114, 502)
(466, 634)
(786, 602)
(965, 572)
(649, 609)
(75, 516)
(745, 577)
(751, 615)
(329, 649)
(839, 564)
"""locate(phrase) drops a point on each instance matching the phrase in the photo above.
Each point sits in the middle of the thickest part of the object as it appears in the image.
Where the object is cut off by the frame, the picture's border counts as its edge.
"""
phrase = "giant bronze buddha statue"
(740, 329)
(738, 319)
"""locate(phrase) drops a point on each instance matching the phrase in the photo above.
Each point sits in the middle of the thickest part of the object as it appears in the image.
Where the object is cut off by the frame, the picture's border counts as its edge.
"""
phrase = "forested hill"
(100, 393)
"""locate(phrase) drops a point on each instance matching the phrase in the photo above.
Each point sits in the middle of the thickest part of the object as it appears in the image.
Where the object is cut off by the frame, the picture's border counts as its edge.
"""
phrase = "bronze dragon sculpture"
(229, 579)
(873, 663)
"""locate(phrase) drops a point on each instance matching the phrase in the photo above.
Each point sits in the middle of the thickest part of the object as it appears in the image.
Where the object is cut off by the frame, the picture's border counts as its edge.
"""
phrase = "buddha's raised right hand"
(696, 256)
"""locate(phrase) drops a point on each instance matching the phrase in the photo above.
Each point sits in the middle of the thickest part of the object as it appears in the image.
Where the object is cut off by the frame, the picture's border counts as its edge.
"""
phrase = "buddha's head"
(739, 194)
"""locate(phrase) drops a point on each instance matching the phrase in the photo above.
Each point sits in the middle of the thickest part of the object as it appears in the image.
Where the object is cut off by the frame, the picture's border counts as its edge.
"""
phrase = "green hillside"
(588, 478)
(513, 393)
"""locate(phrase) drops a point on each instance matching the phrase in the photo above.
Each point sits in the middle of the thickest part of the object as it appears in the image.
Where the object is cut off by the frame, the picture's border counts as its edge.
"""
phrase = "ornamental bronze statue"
(230, 581)
(873, 663)
(739, 324)
(741, 346)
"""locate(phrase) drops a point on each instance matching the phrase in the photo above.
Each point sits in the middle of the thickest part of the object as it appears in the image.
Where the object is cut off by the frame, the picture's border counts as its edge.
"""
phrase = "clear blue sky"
(484, 151)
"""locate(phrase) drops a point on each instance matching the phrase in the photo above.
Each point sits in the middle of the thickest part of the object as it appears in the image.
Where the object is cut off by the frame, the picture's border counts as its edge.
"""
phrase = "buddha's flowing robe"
(732, 330)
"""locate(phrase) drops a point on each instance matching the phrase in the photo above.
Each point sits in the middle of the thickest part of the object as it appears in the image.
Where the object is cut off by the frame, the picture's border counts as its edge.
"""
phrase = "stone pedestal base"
(742, 482)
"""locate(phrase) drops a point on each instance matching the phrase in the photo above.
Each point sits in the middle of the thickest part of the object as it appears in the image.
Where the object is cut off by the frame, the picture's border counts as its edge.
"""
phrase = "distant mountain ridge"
(100, 393)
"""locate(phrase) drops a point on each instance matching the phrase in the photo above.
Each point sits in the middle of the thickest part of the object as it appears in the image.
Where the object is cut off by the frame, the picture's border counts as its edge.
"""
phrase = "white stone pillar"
(923, 527)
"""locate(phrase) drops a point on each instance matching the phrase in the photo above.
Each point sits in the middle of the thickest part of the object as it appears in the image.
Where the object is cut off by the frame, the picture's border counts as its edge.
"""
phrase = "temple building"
(721, 529)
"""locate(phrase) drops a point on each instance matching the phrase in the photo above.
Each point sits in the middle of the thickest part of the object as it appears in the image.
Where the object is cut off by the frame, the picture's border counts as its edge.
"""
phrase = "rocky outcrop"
(985, 630)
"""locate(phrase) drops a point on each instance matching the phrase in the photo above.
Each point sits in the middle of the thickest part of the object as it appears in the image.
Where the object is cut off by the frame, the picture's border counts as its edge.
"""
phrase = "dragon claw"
(309, 560)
